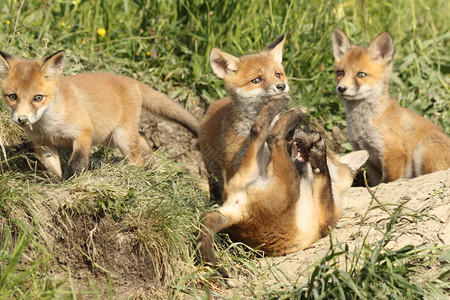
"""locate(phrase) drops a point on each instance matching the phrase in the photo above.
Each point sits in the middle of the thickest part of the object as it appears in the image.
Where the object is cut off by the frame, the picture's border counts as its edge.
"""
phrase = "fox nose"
(342, 89)
(281, 86)
(22, 119)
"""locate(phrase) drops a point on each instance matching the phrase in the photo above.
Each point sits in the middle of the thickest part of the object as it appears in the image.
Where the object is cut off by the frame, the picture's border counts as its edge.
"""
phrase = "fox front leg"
(49, 157)
(318, 155)
(79, 160)
(322, 190)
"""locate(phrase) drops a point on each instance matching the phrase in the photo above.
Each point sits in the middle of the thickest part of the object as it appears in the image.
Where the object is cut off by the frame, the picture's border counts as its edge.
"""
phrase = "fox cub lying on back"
(80, 111)
(223, 135)
(287, 204)
(400, 143)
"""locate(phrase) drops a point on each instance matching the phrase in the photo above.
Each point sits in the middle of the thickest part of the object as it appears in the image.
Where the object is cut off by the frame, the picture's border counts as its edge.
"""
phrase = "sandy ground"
(427, 197)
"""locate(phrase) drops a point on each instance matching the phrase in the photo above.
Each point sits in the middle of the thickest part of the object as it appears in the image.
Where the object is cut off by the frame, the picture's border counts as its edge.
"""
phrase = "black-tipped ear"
(276, 49)
(5, 55)
(274, 44)
(53, 65)
(5, 68)
(341, 43)
(382, 48)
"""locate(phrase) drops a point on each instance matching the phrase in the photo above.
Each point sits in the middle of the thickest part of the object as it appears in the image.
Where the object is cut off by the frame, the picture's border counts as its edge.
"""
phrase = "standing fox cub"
(249, 81)
(289, 203)
(80, 111)
(400, 143)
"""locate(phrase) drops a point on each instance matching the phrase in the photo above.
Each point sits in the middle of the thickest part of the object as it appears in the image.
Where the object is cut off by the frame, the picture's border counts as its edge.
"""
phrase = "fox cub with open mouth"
(289, 203)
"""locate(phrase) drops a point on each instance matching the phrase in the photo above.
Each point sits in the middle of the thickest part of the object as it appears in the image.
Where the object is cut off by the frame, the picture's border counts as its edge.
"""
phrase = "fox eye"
(38, 98)
(340, 73)
(277, 75)
(361, 75)
(256, 80)
(12, 97)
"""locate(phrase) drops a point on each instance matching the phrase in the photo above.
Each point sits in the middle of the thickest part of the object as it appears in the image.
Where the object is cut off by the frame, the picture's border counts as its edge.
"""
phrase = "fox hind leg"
(147, 152)
(131, 143)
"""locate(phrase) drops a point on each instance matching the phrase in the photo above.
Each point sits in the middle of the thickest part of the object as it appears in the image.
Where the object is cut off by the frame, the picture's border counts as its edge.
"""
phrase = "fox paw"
(286, 123)
(272, 107)
(318, 154)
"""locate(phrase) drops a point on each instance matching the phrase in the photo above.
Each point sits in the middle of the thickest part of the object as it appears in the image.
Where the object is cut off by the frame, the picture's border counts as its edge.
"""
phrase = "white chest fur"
(361, 132)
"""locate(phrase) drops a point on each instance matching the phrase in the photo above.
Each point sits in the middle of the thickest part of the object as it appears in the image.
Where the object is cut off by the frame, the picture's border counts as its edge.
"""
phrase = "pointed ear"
(355, 159)
(5, 68)
(53, 65)
(276, 49)
(341, 43)
(223, 63)
(382, 48)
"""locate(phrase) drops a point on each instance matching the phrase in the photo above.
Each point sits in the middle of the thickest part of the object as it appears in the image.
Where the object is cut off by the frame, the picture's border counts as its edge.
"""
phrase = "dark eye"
(340, 73)
(38, 98)
(12, 97)
(256, 80)
(361, 75)
(277, 75)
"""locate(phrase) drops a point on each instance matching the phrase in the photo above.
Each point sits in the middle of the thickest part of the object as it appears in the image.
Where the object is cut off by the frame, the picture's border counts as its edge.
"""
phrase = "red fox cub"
(400, 143)
(289, 203)
(80, 111)
(249, 81)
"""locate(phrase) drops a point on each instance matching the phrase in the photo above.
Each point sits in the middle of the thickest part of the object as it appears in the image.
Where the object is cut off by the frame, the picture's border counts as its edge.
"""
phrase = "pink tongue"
(299, 156)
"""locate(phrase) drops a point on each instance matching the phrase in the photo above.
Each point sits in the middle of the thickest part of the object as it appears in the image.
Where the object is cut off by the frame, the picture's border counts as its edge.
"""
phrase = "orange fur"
(401, 144)
(80, 111)
(287, 204)
(223, 135)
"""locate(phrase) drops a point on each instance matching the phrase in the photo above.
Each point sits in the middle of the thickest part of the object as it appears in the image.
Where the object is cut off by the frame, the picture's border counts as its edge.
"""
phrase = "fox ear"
(53, 65)
(355, 159)
(276, 49)
(5, 68)
(341, 43)
(223, 63)
(382, 48)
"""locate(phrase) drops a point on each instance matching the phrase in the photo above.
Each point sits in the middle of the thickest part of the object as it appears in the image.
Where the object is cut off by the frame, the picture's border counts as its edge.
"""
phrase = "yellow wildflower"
(101, 32)
(8, 22)
(148, 53)
(63, 24)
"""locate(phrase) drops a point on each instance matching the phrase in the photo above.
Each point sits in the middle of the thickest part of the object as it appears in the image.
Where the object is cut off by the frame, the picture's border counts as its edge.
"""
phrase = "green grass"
(166, 44)
(374, 271)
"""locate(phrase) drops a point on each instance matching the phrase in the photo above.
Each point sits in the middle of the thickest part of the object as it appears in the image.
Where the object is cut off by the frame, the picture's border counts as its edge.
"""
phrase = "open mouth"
(300, 146)
(301, 153)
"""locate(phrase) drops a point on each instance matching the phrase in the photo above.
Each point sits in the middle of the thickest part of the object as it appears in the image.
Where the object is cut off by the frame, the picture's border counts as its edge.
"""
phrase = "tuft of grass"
(374, 271)
(167, 44)
(156, 209)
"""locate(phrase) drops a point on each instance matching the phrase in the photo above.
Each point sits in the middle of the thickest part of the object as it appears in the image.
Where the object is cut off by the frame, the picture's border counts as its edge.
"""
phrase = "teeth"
(30, 126)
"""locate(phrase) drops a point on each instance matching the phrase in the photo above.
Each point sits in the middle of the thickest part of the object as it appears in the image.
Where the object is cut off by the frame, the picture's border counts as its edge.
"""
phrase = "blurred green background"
(167, 43)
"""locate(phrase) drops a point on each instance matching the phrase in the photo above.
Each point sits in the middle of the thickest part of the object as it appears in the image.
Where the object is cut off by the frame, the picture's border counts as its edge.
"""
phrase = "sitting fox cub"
(289, 203)
(400, 143)
(223, 135)
(80, 111)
